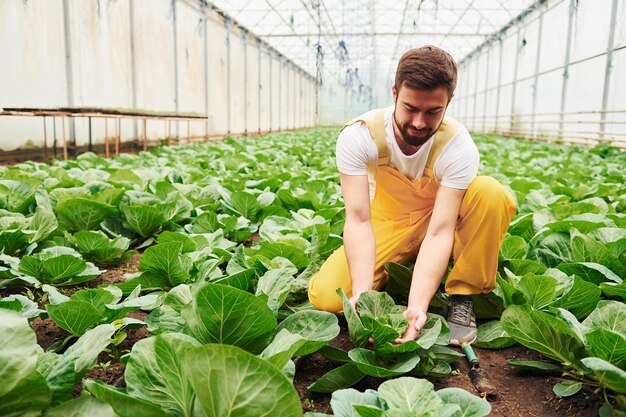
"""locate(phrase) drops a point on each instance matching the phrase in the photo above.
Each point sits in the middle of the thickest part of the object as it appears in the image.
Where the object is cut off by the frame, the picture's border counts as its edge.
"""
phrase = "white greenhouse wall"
(522, 82)
(141, 55)
(265, 91)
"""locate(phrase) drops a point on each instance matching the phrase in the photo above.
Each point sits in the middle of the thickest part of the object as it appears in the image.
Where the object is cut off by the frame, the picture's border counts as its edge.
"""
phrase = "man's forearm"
(360, 247)
(430, 267)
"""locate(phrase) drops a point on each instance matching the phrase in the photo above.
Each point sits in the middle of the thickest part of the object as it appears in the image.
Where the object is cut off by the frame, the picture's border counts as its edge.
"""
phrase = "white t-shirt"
(456, 166)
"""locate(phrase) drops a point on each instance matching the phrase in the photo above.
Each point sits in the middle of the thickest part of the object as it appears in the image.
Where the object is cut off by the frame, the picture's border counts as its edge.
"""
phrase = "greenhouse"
(307, 208)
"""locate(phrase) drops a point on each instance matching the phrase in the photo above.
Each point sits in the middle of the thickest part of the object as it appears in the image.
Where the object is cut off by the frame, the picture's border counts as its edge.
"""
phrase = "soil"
(520, 393)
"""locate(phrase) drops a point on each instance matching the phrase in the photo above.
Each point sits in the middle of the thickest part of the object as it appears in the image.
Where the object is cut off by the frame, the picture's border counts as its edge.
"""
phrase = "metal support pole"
(484, 128)
(118, 135)
(497, 122)
(90, 147)
(373, 63)
(45, 140)
(295, 95)
(133, 65)
(69, 70)
(244, 33)
(298, 95)
(280, 93)
(228, 86)
(145, 135)
(206, 77)
(568, 49)
(476, 90)
(176, 75)
(271, 92)
(54, 140)
(607, 71)
(467, 96)
(106, 137)
(536, 78)
(260, 86)
(512, 123)
(64, 138)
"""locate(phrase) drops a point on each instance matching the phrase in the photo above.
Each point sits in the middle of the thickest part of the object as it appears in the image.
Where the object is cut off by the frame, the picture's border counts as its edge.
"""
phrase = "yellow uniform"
(400, 213)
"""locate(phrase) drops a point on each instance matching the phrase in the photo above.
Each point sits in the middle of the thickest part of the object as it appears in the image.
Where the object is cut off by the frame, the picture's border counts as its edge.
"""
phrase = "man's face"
(419, 113)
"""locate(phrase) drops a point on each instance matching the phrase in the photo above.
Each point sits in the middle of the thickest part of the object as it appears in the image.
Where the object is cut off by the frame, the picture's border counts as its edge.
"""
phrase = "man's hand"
(354, 300)
(417, 319)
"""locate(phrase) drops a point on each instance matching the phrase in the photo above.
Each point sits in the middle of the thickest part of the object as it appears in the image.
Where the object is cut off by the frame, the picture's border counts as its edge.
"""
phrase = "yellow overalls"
(400, 213)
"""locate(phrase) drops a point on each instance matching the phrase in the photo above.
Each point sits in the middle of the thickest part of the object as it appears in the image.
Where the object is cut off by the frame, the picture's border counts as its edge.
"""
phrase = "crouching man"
(408, 177)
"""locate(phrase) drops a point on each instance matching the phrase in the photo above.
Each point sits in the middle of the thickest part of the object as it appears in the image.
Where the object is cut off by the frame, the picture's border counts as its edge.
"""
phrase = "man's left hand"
(417, 319)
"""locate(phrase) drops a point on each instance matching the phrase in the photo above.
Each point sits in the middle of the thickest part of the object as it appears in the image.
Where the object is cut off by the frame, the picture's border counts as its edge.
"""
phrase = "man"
(408, 177)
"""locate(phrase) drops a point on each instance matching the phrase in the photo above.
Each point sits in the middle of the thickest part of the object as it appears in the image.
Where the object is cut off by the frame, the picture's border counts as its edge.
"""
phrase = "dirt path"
(520, 393)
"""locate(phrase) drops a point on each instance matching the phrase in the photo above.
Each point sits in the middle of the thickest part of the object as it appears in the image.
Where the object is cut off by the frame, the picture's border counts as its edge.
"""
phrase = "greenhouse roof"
(355, 33)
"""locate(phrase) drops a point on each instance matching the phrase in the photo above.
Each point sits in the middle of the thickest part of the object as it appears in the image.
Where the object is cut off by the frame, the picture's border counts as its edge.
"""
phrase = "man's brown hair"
(426, 68)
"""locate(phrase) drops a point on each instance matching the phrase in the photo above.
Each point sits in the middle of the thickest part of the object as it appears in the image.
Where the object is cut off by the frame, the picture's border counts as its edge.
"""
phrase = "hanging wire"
(319, 60)
(342, 53)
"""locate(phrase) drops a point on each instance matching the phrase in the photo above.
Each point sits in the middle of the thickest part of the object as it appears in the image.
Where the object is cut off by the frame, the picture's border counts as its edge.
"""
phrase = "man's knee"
(491, 194)
(323, 286)
(323, 296)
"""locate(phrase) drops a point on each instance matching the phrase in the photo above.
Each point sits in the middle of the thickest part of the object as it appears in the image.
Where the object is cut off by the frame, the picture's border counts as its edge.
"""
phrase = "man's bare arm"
(358, 234)
(433, 258)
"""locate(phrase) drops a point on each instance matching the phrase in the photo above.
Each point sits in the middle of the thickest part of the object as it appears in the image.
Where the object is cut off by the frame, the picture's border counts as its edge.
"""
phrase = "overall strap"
(375, 122)
(449, 127)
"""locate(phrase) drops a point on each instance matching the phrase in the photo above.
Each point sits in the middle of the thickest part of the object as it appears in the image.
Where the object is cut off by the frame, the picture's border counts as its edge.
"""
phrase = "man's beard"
(410, 139)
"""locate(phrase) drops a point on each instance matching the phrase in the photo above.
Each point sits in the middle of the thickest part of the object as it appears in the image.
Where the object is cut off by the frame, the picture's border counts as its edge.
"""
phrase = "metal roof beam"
(445, 34)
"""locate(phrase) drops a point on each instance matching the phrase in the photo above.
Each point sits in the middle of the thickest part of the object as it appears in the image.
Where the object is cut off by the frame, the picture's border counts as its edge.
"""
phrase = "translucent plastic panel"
(585, 85)
(620, 25)
(218, 78)
(617, 85)
(23, 133)
(265, 91)
(522, 107)
(490, 111)
(554, 37)
(152, 69)
(37, 60)
(529, 43)
(282, 96)
(617, 98)
(494, 65)
(191, 60)
(472, 77)
(509, 56)
(584, 93)
(101, 54)
(504, 107)
(289, 96)
(299, 100)
(237, 81)
(275, 94)
(252, 87)
(549, 87)
(477, 119)
(482, 69)
(456, 109)
(591, 29)
(548, 101)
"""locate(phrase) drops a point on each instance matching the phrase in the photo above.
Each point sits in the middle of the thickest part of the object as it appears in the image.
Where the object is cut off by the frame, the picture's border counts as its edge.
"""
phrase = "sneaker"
(461, 320)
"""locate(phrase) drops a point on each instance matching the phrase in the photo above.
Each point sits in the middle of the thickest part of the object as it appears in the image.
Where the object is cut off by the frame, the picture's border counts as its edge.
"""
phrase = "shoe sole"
(454, 342)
